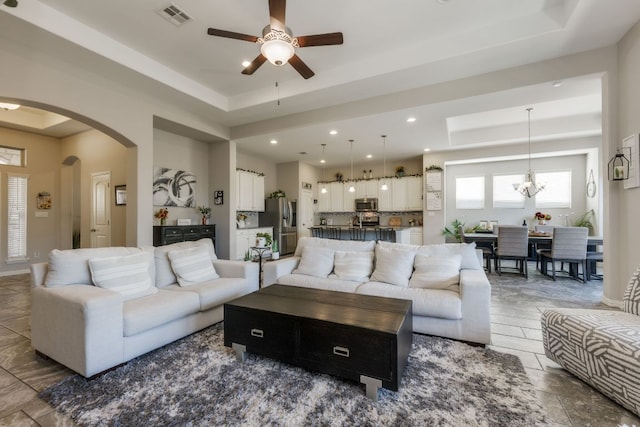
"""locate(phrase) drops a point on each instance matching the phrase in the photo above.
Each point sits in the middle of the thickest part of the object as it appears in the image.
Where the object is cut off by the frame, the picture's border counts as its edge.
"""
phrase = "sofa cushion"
(128, 274)
(436, 272)
(466, 250)
(394, 264)
(353, 265)
(164, 273)
(317, 262)
(336, 245)
(216, 292)
(71, 266)
(444, 304)
(192, 265)
(632, 294)
(328, 284)
(146, 313)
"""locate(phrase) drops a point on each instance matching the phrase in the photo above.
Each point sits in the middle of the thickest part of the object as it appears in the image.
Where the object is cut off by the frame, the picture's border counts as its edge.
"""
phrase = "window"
(504, 195)
(557, 190)
(12, 156)
(16, 217)
(470, 192)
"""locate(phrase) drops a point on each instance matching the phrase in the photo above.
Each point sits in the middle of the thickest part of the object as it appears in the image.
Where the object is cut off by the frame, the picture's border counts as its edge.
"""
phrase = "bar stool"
(331, 233)
(386, 234)
(357, 233)
(316, 232)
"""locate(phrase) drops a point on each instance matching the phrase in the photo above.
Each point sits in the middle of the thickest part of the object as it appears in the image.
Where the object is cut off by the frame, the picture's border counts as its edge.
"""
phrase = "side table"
(260, 250)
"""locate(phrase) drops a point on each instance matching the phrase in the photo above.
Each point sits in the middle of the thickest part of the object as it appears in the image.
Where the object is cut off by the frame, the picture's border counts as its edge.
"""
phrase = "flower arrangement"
(542, 216)
(204, 211)
(162, 214)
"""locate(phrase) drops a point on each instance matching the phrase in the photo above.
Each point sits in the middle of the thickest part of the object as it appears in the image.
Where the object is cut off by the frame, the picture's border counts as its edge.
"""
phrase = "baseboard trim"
(612, 302)
(13, 272)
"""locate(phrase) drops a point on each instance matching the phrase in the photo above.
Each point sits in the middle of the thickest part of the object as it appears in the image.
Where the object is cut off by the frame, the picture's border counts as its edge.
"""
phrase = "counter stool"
(386, 234)
(331, 233)
(357, 233)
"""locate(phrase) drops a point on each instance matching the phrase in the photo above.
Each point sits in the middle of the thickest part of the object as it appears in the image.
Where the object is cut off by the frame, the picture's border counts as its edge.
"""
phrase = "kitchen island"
(399, 234)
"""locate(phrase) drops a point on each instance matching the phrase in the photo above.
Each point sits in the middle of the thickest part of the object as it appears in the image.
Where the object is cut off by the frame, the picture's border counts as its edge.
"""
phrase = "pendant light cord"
(351, 141)
(529, 121)
(384, 155)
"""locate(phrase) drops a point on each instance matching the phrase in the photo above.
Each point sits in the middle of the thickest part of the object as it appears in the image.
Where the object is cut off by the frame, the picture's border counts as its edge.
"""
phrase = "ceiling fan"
(277, 42)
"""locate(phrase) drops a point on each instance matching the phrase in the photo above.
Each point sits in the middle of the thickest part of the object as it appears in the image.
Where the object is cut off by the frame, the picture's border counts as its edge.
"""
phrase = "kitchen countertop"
(371, 227)
(254, 228)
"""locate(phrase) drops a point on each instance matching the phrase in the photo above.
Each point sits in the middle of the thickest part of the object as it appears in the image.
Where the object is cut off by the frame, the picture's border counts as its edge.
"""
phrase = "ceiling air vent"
(175, 15)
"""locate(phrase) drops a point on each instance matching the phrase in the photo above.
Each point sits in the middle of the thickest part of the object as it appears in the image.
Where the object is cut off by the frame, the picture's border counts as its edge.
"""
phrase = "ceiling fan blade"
(277, 12)
(255, 64)
(301, 67)
(231, 35)
(320, 40)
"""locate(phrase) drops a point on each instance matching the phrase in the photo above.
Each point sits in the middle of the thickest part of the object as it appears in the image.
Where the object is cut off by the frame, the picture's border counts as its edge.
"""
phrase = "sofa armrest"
(274, 269)
(475, 293)
(38, 273)
(79, 326)
(240, 269)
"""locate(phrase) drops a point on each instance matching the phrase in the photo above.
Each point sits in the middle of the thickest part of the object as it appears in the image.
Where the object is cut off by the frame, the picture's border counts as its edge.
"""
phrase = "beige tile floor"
(516, 308)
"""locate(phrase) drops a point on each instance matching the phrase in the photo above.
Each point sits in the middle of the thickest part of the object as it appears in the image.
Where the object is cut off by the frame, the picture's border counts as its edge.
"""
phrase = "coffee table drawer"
(262, 333)
(347, 350)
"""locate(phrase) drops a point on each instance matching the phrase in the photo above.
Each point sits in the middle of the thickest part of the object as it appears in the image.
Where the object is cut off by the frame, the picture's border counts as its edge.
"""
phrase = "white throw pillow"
(317, 262)
(164, 272)
(436, 272)
(393, 265)
(192, 265)
(128, 275)
(356, 266)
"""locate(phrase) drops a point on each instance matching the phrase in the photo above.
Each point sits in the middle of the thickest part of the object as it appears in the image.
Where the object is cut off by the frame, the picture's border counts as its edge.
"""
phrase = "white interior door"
(100, 209)
(305, 213)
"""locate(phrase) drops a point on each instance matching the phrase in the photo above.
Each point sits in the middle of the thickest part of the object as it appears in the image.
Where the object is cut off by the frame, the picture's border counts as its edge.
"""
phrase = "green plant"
(205, 211)
(266, 236)
(274, 247)
(277, 194)
(433, 168)
(454, 231)
(247, 255)
(585, 220)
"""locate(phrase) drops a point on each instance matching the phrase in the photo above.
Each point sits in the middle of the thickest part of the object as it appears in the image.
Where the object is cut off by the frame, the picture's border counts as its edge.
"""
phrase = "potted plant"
(205, 212)
(400, 171)
(585, 219)
(277, 194)
(339, 176)
(275, 251)
(263, 240)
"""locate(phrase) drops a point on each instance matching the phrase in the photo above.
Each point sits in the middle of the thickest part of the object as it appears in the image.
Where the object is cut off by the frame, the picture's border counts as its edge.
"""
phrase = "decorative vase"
(163, 221)
(261, 242)
(542, 222)
(242, 223)
(275, 255)
(204, 220)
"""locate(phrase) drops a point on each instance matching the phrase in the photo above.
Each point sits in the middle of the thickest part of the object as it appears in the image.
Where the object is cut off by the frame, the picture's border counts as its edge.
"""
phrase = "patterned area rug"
(197, 381)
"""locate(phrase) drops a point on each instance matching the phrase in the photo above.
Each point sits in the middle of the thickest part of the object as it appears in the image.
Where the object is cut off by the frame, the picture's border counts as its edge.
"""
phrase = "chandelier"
(529, 187)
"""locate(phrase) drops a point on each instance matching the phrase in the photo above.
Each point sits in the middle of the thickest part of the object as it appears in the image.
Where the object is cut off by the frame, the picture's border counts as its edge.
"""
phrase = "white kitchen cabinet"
(385, 196)
(349, 198)
(415, 236)
(246, 238)
(398, 194)
(367, 188)
(250, 191)
(324, 199)
(336, 194)
(414, 193)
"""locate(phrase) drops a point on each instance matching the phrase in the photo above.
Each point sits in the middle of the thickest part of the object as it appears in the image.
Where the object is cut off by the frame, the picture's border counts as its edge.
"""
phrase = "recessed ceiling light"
(557, 83)
(411, 119)
(369, 156)
(442, 1)
(274, 141)
(427, 149)
(323, 161)
(245, 64)
(333, 132)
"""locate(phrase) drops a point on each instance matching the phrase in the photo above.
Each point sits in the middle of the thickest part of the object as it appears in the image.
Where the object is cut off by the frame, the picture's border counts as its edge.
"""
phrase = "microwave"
(367, 205)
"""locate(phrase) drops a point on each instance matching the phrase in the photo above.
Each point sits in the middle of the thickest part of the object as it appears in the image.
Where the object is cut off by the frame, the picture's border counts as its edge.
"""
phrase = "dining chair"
(331, 233)
(486, 248)
(512, 244)
(386, 234)
(542, 245)
(357, 233)
(569, 245)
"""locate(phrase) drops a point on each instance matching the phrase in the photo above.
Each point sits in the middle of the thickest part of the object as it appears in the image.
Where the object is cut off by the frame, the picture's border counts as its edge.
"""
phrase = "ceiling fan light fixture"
(277, 46)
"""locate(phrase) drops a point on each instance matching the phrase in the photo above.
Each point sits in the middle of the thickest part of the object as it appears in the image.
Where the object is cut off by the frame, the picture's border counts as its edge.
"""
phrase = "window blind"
(16, 217)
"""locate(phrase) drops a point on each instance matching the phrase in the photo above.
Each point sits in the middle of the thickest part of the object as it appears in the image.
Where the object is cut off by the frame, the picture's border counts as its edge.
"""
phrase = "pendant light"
(384, 186)
(529, 187)
(352, 188)
(323, 190)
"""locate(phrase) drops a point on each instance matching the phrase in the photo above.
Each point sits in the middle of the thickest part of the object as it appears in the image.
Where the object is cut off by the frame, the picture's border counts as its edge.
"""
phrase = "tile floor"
(516, 308)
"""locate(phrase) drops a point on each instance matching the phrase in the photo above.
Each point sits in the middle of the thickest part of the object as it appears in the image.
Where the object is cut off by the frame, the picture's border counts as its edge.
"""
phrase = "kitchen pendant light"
(352, 188)
(323, 190)
(384, 186)
(529, 187)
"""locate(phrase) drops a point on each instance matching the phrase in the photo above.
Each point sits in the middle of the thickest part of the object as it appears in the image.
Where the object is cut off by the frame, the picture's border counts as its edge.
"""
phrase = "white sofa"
(449, 289)
(93, 309)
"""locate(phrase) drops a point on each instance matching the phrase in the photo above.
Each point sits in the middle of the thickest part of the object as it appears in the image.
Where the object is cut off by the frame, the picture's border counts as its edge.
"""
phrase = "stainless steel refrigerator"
(280, 213)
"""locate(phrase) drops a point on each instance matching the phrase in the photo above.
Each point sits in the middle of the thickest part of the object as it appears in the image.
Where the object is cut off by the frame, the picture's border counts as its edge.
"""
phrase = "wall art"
(172, 187)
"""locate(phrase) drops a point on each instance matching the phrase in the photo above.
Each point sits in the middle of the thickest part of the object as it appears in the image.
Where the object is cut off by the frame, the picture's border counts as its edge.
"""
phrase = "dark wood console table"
(358, 337)
(167, 234)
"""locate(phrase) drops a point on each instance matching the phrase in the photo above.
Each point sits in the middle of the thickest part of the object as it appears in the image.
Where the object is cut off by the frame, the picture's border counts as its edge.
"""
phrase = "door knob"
(93, 230)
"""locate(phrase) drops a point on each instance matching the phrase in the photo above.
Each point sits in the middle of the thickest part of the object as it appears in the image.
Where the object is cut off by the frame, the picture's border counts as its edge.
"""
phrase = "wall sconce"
(618, 166)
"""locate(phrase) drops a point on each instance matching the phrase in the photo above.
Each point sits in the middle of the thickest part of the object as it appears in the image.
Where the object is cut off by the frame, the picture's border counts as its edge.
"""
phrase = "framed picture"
(484, 225)
(218, 197)
(121, 195)
(493, 226)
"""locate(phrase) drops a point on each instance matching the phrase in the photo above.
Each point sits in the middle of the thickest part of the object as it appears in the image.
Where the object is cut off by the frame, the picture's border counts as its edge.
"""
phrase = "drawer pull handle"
(257, 333)
(341, 351)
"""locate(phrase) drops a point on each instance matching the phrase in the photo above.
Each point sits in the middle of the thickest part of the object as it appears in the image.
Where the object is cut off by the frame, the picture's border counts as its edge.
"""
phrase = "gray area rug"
(197, 381)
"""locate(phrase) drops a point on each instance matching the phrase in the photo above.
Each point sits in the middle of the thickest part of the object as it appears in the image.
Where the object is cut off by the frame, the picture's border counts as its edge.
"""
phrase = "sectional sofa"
(449, 289)
(93, 309)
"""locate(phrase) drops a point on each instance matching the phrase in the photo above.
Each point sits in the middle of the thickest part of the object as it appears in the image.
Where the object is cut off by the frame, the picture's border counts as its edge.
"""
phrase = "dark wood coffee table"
(358, 337)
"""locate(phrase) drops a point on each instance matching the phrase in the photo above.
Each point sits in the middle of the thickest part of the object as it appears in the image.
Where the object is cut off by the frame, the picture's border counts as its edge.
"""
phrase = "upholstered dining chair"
(486, 248)
(512, 244)
(357, 233)
(542, 245)
(569, 245)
